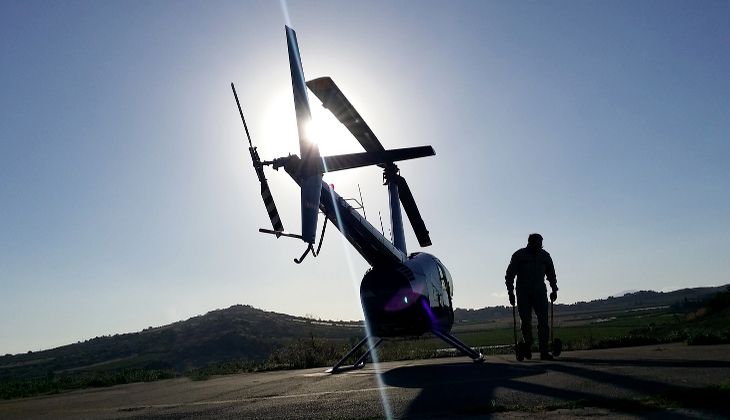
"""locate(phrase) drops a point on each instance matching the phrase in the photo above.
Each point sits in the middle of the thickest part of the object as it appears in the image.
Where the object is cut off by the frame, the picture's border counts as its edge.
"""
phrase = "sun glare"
(279, 129)
(331, 136)
(279, 136)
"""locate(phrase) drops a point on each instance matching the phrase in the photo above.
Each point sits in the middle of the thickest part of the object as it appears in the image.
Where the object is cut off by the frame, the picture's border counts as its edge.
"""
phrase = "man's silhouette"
(531, 265)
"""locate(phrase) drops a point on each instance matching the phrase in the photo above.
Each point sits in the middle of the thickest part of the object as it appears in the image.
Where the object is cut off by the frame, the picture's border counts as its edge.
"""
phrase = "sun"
(279, 128)
(331, 136)
(280, 137)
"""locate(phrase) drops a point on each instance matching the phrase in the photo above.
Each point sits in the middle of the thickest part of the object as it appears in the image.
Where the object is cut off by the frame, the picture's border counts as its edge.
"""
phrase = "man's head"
(534, 241)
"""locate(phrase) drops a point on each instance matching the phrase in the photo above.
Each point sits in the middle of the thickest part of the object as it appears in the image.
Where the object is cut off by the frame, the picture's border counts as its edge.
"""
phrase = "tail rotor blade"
(409, 205)
(259, 168)
(271, 207)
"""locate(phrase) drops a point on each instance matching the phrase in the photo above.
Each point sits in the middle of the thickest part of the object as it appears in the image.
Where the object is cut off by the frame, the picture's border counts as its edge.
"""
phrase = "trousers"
(527, 301)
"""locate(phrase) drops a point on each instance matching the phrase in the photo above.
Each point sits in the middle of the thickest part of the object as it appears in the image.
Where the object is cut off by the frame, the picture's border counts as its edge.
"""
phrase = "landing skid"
(476, 356)
(455, 342)
(359, 363)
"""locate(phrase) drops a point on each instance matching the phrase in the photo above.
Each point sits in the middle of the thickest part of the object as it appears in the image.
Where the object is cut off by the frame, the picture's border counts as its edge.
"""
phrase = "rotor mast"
(396, 218)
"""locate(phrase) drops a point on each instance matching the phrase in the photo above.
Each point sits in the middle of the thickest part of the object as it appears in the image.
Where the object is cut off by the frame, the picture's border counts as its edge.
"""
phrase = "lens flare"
(371, 341)
(285, 12)
(314, 135)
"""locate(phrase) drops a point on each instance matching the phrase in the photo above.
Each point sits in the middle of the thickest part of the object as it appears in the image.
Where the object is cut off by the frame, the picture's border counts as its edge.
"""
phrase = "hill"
(240, 332)
(244, 333)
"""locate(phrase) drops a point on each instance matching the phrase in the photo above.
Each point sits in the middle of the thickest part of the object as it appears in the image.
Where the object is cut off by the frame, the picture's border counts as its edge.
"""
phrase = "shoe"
(523, 351)
(546, 356)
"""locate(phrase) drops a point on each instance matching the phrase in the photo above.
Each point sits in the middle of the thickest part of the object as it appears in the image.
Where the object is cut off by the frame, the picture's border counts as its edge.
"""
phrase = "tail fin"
(311, 174)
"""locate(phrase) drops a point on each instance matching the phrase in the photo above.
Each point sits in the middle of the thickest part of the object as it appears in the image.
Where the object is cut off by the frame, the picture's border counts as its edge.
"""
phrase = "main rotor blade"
(311, 175)
(333, 99)
(356, 160)
(307, 148)
(409, 205)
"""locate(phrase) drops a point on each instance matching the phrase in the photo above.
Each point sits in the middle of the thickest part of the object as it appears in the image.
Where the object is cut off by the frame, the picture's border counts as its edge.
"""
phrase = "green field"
(579, 334)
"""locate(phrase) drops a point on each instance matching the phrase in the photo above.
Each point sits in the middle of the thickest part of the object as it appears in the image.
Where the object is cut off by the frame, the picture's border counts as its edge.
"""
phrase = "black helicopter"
(402, 295)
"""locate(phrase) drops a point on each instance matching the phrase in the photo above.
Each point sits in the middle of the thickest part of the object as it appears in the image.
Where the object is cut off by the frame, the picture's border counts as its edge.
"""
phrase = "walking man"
(531, 265)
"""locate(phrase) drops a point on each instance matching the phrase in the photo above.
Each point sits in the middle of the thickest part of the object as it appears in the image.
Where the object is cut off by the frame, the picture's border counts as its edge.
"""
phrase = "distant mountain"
(625, 292)
(629, 301)
(242, 332)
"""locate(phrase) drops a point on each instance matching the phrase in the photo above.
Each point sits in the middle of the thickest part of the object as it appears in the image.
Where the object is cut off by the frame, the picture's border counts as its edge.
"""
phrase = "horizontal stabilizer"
(279, 233)
(357, 160)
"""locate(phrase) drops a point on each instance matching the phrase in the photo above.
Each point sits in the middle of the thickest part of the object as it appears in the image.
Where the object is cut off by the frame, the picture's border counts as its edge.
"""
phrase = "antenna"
(362, 202)
(381, 223)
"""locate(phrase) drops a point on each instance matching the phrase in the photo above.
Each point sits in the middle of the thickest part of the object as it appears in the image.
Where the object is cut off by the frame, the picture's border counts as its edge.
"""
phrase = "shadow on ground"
(466, 389)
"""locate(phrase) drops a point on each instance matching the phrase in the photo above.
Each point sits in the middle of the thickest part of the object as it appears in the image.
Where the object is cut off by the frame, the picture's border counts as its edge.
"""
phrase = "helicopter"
(402, 295)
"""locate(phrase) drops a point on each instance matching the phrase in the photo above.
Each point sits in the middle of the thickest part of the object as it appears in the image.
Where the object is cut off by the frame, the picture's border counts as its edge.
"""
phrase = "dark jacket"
(531, 268)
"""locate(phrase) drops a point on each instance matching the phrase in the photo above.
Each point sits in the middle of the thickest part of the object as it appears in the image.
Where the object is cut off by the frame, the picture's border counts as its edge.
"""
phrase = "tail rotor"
(258, 166)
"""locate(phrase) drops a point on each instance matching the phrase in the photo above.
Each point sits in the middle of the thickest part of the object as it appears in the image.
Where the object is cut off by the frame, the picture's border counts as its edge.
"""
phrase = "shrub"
(706, 338)
(307, 353)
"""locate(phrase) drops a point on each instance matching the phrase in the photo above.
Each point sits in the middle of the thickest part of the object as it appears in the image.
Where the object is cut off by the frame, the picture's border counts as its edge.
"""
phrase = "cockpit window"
(445, 278)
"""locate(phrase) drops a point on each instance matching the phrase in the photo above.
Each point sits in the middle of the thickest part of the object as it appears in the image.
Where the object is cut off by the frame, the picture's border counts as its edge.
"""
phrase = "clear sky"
(127, 197)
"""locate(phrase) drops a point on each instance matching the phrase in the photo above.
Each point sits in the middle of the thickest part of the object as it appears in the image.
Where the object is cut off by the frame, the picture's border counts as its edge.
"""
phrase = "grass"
(574, 337)
(53, 384)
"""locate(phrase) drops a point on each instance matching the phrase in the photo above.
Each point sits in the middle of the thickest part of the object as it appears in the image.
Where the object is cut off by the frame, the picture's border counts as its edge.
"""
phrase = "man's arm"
(552, 279)
(550, 274)
(509, 277)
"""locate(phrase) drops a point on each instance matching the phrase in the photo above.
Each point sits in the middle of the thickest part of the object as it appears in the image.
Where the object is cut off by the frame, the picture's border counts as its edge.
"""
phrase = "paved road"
(637, 382)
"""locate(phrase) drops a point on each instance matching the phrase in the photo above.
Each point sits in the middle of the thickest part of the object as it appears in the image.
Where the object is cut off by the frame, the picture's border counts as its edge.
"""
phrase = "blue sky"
(127, 198)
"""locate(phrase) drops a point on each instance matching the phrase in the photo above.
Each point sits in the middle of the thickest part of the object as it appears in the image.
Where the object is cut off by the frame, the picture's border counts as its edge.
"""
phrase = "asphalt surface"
(640, 382)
